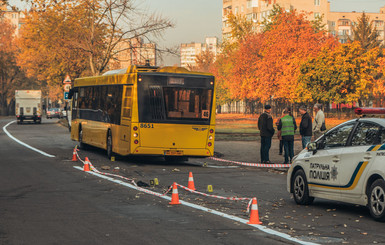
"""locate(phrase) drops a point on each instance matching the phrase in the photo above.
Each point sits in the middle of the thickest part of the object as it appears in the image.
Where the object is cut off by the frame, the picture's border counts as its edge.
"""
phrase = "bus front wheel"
(109, 145)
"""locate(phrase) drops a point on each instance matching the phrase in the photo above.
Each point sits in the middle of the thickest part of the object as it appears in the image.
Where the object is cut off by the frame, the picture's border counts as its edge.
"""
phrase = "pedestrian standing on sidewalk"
(305, 127)
(319, 122)
(279, 135)
(287, 125)
(265, 125)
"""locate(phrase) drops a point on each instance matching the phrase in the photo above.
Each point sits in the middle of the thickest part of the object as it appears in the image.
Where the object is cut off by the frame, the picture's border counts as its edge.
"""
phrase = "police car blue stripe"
(343, 186)
(371, 148)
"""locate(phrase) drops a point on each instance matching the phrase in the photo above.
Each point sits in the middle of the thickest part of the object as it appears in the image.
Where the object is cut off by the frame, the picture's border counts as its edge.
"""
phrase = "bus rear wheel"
(109, 145)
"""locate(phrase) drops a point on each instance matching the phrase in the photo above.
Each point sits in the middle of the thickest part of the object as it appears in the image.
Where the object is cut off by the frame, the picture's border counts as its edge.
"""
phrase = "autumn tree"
(274, 19)
(342, 75)
(365, 33)
(11, 76)
(8, 67)
(205, 61)
(87, 32)
(379, 87)
(80, 38)
(267, 65)
(221, 69)
(240, 28)
(45, 49)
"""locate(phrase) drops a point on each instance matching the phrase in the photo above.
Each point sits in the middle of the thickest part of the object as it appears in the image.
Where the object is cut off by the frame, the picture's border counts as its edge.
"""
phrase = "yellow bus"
(166, 111)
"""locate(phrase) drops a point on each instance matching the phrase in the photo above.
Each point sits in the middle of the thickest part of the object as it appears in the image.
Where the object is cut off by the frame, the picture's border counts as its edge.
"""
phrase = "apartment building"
(338, 23)
(341, 24)
(16, 18)
(134, 52)
(189, 51)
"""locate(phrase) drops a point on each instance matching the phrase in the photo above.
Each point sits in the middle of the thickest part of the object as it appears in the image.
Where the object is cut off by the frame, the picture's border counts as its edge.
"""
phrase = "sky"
(197, 19)
(194, 21)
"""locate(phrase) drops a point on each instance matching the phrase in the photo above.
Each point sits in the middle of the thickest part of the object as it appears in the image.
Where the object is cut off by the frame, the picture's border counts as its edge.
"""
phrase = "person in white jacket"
(319, 119)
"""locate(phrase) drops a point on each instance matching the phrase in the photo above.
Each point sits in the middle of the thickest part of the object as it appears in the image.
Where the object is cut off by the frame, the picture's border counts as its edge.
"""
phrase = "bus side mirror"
(70, 93)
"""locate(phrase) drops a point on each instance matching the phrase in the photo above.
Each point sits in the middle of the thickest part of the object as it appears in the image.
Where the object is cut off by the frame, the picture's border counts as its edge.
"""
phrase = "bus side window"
(103, 103)
(114, 103)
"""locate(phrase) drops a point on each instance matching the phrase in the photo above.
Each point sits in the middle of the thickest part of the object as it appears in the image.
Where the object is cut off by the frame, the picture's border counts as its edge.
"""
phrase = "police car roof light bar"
(369, 110)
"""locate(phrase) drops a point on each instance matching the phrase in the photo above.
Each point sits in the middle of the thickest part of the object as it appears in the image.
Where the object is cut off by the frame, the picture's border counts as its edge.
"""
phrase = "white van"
(28, 106)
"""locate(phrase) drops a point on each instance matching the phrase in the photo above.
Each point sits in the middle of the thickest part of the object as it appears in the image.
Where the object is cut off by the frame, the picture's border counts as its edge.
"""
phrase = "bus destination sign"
(175, 81)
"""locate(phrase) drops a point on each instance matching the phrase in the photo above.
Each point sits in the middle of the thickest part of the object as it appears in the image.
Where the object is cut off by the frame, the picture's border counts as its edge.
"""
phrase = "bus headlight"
(135, 135)
(210, 137)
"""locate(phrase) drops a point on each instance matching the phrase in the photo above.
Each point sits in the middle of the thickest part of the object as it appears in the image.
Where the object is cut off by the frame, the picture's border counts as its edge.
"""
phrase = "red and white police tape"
(215, 196)
(132, 181)
(260, 165)
(92, 168)
(219, 197)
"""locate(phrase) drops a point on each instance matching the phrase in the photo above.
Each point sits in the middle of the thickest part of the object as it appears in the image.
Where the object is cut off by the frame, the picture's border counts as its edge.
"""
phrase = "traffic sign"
(66, 95)
(67, 79)
(67, 87)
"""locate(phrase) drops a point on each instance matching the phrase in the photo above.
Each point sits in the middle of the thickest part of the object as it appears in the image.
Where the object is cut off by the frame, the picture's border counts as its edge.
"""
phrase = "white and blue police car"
(345, 164)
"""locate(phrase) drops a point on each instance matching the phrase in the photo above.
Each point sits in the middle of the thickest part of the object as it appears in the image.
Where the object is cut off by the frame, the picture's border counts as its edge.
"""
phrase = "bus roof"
(120, 76)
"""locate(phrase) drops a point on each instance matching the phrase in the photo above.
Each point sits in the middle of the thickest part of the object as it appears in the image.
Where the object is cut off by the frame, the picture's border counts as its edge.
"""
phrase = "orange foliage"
(267, 65)
(379, 89)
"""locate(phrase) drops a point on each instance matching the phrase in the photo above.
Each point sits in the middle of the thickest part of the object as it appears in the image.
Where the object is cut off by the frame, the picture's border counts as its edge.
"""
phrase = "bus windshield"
(188, 101)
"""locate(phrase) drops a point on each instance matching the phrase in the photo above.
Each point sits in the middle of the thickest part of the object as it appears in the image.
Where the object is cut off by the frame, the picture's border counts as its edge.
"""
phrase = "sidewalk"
(249, 151)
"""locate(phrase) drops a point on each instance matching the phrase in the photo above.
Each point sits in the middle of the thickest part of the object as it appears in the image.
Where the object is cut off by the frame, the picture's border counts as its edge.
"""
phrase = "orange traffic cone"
(190, 184)
(254, 216)
(74, 158)
(175, 195)
(86, 166)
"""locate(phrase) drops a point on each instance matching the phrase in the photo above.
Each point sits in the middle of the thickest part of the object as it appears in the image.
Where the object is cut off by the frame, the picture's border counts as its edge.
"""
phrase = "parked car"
(53, 113)
(345, 164)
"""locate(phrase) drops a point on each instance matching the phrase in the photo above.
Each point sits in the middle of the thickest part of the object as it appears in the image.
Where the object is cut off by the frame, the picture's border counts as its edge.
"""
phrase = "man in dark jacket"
(265, 125)
(305, 127)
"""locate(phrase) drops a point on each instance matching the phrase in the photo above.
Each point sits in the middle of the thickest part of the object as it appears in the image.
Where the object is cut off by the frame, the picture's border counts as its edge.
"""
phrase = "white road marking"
(22, 143)
(227, 216)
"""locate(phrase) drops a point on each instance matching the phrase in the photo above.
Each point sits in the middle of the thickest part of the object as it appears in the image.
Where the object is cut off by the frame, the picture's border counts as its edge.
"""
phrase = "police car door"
(356, 159)
(323, 164)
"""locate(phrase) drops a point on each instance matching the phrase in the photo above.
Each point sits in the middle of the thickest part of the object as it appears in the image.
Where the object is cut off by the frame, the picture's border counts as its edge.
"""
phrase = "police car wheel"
(377, 200)
(301, 189)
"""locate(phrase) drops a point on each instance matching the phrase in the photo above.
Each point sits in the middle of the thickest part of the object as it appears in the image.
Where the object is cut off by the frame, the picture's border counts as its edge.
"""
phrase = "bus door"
(124, 131)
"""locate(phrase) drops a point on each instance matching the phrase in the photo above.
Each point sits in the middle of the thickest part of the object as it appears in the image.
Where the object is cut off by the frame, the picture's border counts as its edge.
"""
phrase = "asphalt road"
(45, 200)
